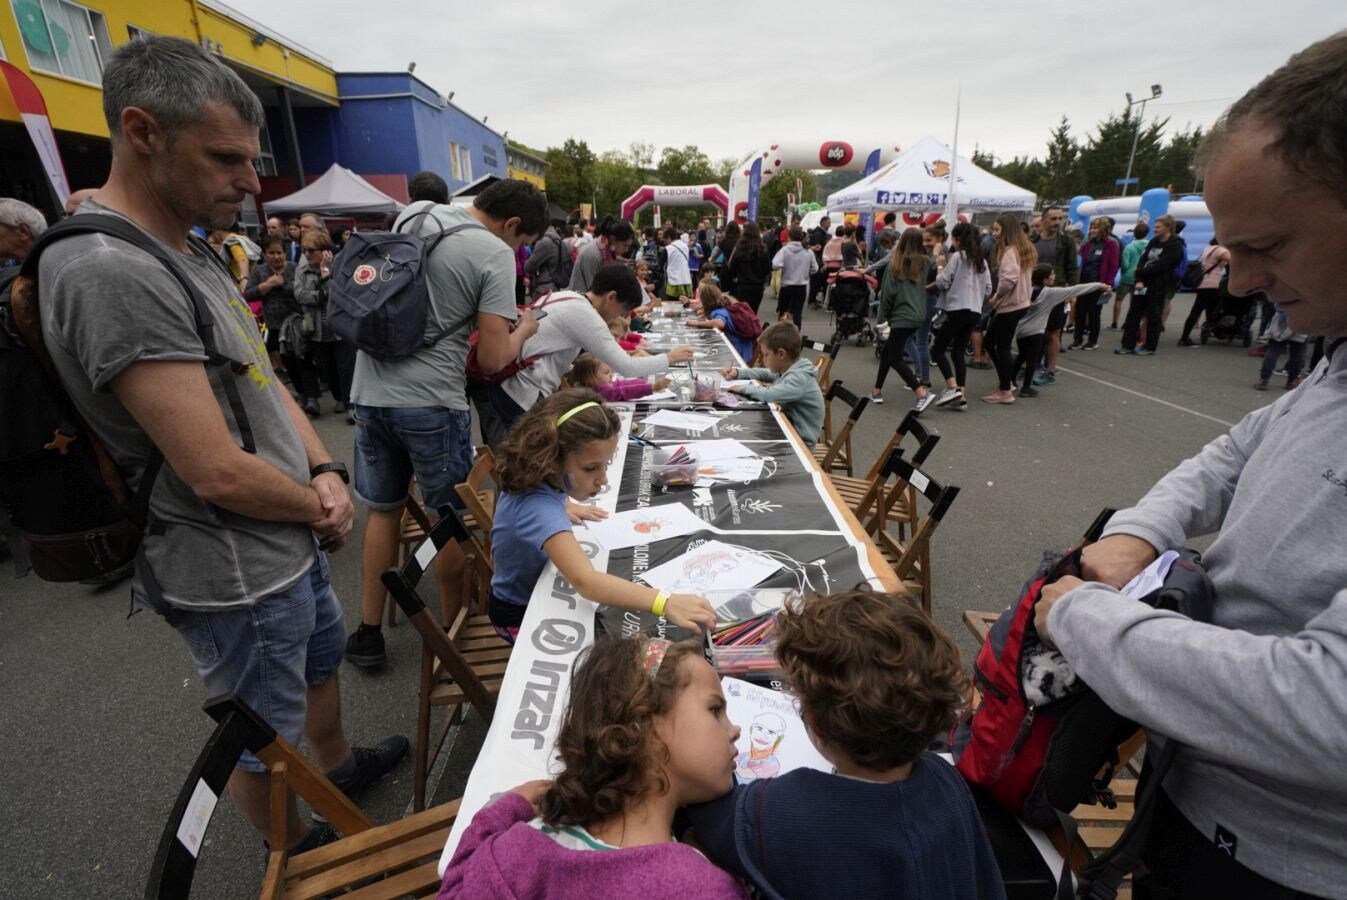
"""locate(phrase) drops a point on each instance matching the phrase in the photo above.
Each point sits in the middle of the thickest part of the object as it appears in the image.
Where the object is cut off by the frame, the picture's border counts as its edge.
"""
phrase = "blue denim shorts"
(392, 445)
(270, 653)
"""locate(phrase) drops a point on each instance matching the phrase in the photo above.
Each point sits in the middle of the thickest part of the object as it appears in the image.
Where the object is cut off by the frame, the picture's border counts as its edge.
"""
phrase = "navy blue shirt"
(815, 835)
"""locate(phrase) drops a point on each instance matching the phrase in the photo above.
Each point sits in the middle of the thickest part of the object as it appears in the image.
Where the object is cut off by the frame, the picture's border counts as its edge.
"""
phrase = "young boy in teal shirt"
(793, 381)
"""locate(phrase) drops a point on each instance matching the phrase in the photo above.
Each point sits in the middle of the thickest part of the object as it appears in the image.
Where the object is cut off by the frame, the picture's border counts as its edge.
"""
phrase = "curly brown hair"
(876, 679)
(533, 451)
(607, 743)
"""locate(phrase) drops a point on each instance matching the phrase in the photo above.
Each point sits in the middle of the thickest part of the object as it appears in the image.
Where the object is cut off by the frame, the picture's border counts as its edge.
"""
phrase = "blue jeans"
(393, 444)
(268, 654)
(919, 346)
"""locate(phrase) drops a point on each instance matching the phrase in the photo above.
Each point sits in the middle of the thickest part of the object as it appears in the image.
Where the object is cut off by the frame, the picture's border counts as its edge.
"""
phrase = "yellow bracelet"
(658, 606)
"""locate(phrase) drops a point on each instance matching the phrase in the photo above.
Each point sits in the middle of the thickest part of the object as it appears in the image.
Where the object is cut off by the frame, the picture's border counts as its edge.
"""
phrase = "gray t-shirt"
(470, 271)
(106, 305)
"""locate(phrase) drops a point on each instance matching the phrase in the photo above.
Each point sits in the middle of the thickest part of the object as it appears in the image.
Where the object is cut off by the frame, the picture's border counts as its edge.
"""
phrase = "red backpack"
(745, 321)
(1040, 739)
(474, 368)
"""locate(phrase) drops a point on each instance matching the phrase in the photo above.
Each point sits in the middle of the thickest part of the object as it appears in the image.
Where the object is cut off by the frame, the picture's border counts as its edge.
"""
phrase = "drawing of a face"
(708, 565)
(766, 732)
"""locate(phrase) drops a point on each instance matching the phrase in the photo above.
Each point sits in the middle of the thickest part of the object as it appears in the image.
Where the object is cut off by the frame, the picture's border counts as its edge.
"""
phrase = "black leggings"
(953, 337)
(996, 342)
(1087, 319)
(336, 360)
(893, 359)
(1030, 349)
(1204, 302)
(790, 301)
(303, 376)
(751, 294)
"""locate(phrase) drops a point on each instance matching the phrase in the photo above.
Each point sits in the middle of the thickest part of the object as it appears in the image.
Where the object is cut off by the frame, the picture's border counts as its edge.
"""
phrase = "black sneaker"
(321, 833)
(339, 407)
(1027, 392)
(371, 764)
(365, 648)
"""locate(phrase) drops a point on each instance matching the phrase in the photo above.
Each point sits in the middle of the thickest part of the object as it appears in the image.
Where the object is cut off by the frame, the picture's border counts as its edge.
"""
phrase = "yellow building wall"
(536, 180)
(78, 105)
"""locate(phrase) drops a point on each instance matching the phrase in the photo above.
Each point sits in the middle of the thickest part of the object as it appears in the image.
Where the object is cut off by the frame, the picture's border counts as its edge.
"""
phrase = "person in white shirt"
(677, 272)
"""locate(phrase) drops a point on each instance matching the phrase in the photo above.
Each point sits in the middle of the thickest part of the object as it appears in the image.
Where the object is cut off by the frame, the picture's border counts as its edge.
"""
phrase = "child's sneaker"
(922, 403)
(1042, 378)
(876, 398)
(1280, 371)
(1260, 384)
(951, 396)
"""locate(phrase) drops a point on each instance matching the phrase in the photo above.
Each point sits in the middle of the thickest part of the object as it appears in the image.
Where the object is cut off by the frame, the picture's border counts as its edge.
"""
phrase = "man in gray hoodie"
(1256, 804)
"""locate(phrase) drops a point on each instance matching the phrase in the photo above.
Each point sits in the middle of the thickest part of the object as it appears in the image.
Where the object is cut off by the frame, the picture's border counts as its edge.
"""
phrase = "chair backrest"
(401, 584)
(914, 553)
(238, 729)
(823, 365)
(925, 438)
(838, 452)
(470, 491)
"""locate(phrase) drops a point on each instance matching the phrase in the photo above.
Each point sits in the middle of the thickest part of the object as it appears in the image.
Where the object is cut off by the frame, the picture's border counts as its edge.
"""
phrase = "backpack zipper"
(1023, 734)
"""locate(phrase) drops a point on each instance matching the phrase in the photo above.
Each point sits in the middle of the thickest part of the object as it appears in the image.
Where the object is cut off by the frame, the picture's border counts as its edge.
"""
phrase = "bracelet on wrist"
(657, 607)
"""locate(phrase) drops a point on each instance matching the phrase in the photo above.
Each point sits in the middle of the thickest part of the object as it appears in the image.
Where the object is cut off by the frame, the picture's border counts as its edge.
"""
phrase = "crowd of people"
(251, 500)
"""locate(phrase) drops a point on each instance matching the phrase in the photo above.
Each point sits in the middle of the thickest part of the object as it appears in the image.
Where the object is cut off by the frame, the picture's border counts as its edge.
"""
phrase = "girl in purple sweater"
(588, 371)
(645, 732)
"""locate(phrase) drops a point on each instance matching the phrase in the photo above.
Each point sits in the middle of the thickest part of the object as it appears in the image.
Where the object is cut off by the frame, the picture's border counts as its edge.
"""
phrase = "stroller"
(849, 293)
(1232, 319)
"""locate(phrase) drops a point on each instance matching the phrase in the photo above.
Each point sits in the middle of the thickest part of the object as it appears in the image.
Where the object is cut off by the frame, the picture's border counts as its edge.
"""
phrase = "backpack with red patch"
(474, 366)
(1042, 742)
(745, 321)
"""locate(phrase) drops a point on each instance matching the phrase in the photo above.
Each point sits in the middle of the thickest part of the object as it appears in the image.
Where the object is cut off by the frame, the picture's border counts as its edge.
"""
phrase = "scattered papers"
(645, 526)
(729, 470)
(1151, 578)
(720, 449)
(772, 740)
(735, 382)
(713, 565)
(661, 395)
(681, 421)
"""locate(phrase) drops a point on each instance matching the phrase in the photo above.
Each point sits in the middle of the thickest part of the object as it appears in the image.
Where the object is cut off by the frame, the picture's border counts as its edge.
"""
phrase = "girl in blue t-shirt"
(715, 309)
(561, 447)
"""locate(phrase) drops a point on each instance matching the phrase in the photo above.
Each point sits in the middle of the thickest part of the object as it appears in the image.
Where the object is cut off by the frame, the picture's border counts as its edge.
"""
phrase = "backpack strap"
(1106, 872)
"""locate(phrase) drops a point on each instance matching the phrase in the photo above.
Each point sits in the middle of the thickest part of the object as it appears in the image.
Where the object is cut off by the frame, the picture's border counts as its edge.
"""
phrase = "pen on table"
(642, 441)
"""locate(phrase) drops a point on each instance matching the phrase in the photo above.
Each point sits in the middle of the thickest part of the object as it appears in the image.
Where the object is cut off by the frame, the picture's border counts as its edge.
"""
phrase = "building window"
(136, 34)
(465, 163)
(489, 156)
(454, 169)
(63, 38)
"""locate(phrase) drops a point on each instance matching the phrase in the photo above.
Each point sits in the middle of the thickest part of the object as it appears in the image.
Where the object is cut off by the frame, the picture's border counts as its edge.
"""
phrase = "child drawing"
(765, 735)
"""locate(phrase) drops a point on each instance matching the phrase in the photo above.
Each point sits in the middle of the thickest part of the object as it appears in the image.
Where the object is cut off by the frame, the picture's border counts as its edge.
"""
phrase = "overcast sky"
(730, 76)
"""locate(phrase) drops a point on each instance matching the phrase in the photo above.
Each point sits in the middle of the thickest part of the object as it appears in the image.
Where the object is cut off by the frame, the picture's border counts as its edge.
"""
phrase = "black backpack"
(378, 297)
(74, 513)
(561, 276)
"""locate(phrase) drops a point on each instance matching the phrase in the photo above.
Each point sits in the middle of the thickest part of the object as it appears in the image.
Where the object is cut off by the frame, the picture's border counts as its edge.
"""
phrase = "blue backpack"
(378, 296)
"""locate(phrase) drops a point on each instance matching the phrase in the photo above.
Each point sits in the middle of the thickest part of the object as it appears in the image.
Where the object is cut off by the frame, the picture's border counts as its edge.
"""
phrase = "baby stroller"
(1231, 319)
(849, 293)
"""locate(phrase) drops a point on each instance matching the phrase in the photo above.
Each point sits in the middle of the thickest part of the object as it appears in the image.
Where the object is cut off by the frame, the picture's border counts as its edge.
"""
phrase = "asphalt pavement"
(101, 716)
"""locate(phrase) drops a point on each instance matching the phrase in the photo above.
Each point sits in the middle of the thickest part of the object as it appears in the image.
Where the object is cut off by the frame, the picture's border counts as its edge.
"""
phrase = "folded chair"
(859, 493)
(384, 861)
(910, 558)
(461, 664)
(833, 452)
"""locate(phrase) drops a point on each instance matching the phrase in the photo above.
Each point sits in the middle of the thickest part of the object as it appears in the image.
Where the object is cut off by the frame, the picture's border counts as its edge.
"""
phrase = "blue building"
(391, 123)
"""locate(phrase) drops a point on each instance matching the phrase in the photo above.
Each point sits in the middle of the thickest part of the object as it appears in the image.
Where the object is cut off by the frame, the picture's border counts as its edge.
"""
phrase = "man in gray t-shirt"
(232, 547)
(411, 414)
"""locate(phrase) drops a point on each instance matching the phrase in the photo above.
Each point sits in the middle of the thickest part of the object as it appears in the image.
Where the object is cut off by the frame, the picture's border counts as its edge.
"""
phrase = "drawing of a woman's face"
(766, 732)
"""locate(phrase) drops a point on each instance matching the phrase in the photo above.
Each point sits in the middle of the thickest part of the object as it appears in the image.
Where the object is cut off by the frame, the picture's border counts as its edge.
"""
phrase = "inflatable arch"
(1150, 205)
(764, 164)
(674, 195)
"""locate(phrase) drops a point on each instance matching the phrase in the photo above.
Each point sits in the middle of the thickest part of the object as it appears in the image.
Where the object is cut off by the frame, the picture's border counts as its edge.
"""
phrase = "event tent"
(339, 192)
(918, 181)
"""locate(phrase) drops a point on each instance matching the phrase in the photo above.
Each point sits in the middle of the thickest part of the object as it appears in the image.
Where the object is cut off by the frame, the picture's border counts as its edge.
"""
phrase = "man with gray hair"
(237, 554)
(1255, 804)
(20, 226)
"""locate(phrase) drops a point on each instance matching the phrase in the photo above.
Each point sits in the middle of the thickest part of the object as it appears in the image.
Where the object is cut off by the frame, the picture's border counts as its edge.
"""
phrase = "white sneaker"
(876, 399)
(948, 396)
(923, 402)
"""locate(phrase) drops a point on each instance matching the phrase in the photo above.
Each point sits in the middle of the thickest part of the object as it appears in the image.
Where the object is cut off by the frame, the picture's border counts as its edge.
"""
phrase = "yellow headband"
(561, 419)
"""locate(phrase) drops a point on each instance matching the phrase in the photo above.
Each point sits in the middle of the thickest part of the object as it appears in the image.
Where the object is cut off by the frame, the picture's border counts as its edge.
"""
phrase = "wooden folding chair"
(463, 663)
(835, 453)
(910, 557)
(385, 861)
(411, 531)
(478, 499)
(859, 493)
(823, 365)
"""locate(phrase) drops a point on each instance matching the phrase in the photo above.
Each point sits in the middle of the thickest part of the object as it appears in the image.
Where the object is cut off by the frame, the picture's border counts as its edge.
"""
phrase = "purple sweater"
(624, 389)
(501, 856)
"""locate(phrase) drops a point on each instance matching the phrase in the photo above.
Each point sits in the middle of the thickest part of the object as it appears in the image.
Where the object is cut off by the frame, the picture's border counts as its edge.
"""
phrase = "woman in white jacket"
(965, 284)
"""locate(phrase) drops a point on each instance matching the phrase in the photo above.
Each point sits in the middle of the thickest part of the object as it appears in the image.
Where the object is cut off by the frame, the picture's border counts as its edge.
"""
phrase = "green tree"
(1061, 162)
(684, 165)
(1175, 166)
(1104, 159)
(616, 177)
(772, 198)
(570, 175)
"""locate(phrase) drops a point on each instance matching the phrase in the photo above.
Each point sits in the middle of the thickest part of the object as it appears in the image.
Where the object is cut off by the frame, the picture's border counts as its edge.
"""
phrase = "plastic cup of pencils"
(707, 386)
(670, 468)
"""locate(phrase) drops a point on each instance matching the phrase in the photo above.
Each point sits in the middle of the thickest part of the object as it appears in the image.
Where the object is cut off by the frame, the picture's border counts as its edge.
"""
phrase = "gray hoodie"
(795, 262)
(1259, 696)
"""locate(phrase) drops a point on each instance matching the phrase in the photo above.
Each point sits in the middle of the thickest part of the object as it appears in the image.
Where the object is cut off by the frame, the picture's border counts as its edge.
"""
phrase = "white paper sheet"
(735, 382)
(720, 449)
(712, 566)
(680, 421)
(1151, 578)
(729, 470)
(772, 739)
(644, 526)
(661, 395)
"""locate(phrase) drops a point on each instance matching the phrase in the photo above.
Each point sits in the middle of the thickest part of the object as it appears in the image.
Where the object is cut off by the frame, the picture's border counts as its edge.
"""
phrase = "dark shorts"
(1056, 318)
(506, 617)
(393, 444)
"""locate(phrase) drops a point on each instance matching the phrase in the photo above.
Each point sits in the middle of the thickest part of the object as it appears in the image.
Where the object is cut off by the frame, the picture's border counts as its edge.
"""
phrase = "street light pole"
(1156, 90)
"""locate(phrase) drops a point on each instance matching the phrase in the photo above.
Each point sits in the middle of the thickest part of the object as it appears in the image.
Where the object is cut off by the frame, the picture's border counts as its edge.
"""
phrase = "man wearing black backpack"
(549, 267)
(1255, 804)
(248, 498)
(411, 413)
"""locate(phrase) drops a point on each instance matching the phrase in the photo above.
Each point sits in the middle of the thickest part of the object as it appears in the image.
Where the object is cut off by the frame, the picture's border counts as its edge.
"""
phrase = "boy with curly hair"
(876, 681)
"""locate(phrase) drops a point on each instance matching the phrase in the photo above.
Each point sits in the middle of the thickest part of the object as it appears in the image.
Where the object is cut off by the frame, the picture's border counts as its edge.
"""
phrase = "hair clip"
(655, 649)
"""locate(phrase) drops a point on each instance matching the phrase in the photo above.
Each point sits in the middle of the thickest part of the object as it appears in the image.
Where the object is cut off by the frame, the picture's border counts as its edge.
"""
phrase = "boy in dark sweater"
(876, 681)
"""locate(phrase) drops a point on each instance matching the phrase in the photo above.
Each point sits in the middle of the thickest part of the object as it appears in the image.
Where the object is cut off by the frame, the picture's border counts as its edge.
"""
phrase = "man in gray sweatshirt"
(1256, 804)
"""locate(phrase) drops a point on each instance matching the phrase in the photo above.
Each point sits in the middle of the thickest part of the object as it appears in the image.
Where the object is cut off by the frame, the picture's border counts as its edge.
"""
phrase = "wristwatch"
(338, 467)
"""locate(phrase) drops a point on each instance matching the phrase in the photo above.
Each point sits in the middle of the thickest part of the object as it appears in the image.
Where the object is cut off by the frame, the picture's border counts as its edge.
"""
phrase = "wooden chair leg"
(420, 763)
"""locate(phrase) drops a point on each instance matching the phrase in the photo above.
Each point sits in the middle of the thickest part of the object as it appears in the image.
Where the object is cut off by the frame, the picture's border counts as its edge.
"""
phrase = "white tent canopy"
(919, 181)
(339, 192)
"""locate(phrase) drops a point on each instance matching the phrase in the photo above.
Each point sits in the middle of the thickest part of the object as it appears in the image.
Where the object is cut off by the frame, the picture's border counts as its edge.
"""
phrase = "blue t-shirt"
(742, 346)
(522, 524)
